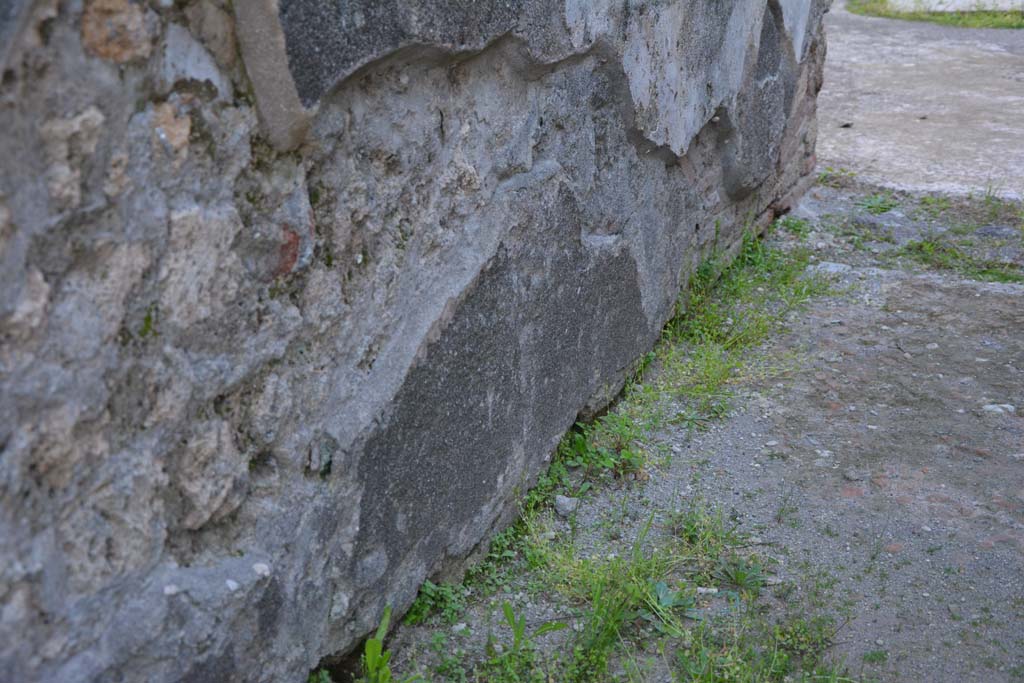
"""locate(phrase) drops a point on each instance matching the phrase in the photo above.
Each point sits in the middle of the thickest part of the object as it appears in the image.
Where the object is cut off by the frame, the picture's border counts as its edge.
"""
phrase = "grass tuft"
(937, 253)
(972, 19)
(880, 203)
(446, 600)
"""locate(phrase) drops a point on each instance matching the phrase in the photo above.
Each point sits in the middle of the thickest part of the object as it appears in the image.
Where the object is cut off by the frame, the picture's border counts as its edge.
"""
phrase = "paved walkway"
(928, 108)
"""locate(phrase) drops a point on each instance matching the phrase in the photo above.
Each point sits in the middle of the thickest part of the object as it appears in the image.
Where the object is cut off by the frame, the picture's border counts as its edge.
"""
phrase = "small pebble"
(232, 585)
(261, 569)
(852, 474)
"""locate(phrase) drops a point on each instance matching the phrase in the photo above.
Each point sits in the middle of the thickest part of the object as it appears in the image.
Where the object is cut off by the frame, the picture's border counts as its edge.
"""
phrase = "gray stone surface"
(10, 15)
(250, 396)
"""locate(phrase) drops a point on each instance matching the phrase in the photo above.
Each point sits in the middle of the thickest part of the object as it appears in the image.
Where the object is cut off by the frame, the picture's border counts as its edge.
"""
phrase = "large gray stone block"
(296, 297)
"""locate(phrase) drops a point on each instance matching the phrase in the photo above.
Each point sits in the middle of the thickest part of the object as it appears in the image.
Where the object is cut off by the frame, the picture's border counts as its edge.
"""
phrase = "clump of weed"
(877, 204)
(933, 206)
(610, 445)
(375, 660)
(620, 593)
(749, 651)
(446, 600)
(798, 227)
(836, 177)
(726, 313)
(744, 574)
(937, 253)
(806, 638)
(519, 660)
(492, 572)
(704, 536)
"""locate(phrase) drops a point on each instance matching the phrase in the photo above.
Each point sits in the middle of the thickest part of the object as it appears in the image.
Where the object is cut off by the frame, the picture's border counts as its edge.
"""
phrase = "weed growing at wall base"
(798, 227)
(376, 660)
(622, 606)
(444, 599)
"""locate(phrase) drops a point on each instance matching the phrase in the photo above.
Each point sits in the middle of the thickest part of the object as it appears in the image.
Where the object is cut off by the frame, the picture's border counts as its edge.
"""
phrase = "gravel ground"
(894, 458)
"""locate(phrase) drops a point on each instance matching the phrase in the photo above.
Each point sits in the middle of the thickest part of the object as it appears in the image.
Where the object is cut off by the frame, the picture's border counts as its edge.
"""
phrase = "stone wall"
(297, 296)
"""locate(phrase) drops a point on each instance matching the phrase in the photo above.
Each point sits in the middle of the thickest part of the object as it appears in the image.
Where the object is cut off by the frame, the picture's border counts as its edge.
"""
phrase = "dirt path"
(844, 501)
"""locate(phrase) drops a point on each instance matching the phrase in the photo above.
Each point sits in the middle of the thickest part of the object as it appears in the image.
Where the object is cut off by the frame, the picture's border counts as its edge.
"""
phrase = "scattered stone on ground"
(566, 506)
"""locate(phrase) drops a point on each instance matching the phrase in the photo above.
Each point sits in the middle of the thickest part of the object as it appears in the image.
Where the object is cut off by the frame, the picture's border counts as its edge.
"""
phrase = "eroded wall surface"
(296, 297)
